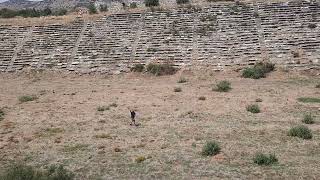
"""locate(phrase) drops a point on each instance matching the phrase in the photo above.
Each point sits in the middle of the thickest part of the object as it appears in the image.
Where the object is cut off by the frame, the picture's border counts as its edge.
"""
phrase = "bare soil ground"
(63, 125)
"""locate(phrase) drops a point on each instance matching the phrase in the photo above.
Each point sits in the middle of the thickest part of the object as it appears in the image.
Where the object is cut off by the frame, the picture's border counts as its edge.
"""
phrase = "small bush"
(308, 119)
(113, 105)
(92, 9)
(138, 68)
(262, 159)
(211, 148)
(1, 114)
(318, 85)
(202, 98)
(151, 3)
(161, 69)
(140, 159)
(182, 80)
(23, 172)
(223, 86)
(258, 71)
(133, 5)
(103, 8)
(312, 26)
(309, 100)
(301, 132)
(103, 136)
(183, 1)
(103, 108)
(27, 98)
(258, 100)
(253, 108)
(177, 89)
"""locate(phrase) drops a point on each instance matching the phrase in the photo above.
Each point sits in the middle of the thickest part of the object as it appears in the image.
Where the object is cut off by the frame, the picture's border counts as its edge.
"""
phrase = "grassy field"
(83, 123)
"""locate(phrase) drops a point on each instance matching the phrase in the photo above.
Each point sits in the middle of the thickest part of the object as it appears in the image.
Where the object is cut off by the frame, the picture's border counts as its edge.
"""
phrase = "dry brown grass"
(173, 126)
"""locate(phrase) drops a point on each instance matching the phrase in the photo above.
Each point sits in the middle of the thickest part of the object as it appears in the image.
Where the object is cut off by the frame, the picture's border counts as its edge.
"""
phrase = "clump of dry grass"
(253, 108)
(263, 159)
(301, 132)
(211, 148)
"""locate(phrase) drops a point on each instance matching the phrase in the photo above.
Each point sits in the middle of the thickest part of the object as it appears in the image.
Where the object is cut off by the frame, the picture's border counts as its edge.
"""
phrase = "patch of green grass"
(309, 100)
(75, 148)
(301, 132)
(308, 119)
(24, 172)
(50, 132)
(161, 69)
(27, 98)
(137, 68)
(253, 108)
(211, 148)
(223, 86)
(177, 89)
(182, 80)
(263, 159)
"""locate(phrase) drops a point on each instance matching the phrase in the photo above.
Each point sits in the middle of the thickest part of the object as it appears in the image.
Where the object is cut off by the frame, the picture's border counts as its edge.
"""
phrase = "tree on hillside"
(92, 9)
(151, 3)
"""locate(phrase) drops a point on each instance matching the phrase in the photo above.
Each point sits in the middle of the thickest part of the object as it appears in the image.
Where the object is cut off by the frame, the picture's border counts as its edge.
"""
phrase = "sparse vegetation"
(309, 100)
(24, 172)
(223, 86)
(258, 100)
(151, 3)
(253, 108)
(211, 148)
(103, 108)
(75, 148)
(133, 5)
(263, 159)
(308, 119)
(312, 26)
(182, 80)
(103, 136)
(318, 85)
(258, 71)
(9, 13)
(140, 159)
(137, 68)
(161, 69)
(183, 1)
(301, 132)
(177, 89)
(27, 98)
(103, 8)
(202, 98)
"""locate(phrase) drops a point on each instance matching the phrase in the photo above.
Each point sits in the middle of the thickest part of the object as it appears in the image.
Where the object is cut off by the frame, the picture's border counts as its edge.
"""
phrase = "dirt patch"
(64, 126)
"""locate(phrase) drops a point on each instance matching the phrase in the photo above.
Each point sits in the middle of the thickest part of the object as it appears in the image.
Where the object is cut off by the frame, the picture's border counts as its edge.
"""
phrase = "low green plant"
(253, 108)
(151, 3)
(309, 100)
(103, 108)
(133, 5)
(258, 71)
(318, 85)
(202, 98)
(1, 114)
(137, 68)
(183, 1)
(211, 148)
(24, 172)
(27, 98)
(300, 131)
(140, 159)
(161, 69)
(308, 119)
(263, 159)
(223, 86)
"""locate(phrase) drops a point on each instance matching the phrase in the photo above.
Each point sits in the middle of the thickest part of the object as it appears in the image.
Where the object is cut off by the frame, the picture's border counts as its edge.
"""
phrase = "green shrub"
(262, 159)
(151, 3)
(24, 172)
(202, 98)
(308, 119)
(60, 12)
(133, 5)
(258, 71)
(301, 132)
(27, 98)
(1, 114)
(103, 8)
(137, 68)
(223, 86)
(312, 26)
(253, 108)
(183, 1)
(182, 80)
(211, 148)
(161, 69)
(258, 100)
(92, 8)
(309, 100)
(103, 108)
(318, 85)
(177, 89)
